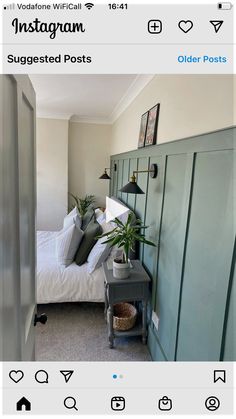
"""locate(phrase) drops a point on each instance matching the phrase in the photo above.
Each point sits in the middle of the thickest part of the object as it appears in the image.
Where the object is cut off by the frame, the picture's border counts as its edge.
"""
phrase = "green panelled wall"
(189, 210)
(229, 343)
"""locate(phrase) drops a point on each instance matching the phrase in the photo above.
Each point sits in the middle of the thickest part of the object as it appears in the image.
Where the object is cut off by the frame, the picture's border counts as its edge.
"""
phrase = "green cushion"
(88, 241)
(87, 217)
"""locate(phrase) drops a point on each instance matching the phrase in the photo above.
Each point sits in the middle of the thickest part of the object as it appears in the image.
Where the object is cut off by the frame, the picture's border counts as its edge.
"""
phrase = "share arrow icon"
(217, 24)
(67, 374)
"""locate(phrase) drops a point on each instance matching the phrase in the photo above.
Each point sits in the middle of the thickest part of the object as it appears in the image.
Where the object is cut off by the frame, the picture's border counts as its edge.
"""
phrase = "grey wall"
(189, 210)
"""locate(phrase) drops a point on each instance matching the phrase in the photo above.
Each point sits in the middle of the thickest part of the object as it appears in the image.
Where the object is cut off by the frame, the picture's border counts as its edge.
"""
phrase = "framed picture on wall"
(143, 128)
(151, 131)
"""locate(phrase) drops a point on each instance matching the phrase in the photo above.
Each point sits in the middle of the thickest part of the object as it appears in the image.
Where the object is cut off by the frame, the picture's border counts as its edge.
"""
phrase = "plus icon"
(155, 26)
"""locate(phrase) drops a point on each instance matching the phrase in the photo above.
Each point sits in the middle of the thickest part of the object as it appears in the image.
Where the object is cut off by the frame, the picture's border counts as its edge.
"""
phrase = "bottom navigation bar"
(138, 388)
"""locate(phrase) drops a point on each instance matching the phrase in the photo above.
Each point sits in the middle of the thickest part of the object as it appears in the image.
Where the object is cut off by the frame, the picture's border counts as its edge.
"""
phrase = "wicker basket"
(125, 315)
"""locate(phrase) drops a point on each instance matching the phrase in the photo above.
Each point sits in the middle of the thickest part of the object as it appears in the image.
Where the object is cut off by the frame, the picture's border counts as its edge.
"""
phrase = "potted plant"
(83, 203)
(124, 236)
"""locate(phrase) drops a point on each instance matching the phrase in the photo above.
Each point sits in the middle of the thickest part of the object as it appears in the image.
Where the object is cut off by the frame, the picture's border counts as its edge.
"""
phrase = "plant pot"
(121, 270)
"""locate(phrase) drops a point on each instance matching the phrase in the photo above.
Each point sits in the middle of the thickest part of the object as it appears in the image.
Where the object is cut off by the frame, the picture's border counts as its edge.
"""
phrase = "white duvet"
(56, 283)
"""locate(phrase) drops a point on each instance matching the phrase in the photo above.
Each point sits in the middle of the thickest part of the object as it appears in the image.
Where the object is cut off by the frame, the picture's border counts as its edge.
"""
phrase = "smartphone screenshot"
(117, 209)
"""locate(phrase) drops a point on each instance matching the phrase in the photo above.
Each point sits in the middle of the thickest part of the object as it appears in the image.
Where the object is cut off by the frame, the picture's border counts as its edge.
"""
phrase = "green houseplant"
(124, 236)
(83, 203)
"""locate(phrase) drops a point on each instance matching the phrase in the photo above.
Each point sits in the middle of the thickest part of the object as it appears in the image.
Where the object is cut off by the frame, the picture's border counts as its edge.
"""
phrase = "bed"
(57, 284)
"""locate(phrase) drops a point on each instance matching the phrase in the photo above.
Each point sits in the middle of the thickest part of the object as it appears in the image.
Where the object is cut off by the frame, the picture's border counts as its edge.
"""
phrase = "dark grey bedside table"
(134, 288)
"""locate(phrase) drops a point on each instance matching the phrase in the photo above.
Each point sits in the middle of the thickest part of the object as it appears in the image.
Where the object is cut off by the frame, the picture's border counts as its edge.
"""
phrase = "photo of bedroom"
(117, 238)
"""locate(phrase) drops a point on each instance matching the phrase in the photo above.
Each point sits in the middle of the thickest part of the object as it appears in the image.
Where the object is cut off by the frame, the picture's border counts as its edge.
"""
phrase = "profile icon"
(212, 403)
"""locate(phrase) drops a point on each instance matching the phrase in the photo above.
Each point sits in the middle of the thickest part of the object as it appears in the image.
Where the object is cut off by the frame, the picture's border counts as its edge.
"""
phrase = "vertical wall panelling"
(186, 216)
(114, 179)
(111, 181)
(154, 205)
(140, 205)
(154, 199)
(124, 196)
(154, 346)
(131, 197)
(174, 219)
(119, 178)
(229, 337)
(189, 211)
(208, 258)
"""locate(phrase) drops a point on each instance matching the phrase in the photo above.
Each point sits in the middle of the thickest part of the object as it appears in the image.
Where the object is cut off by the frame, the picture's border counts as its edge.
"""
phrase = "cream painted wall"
(71, 156)
(52, 173)
(89, 154)
(190, 105)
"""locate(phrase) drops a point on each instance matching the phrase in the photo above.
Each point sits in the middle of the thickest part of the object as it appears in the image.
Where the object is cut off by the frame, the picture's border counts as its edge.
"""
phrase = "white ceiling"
(86, 98)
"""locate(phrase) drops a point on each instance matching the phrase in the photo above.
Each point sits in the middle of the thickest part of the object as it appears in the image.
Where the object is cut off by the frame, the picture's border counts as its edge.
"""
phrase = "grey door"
(18, 218)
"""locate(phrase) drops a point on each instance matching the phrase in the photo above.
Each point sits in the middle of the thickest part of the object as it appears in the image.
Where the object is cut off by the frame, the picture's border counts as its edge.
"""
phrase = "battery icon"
(225, 6)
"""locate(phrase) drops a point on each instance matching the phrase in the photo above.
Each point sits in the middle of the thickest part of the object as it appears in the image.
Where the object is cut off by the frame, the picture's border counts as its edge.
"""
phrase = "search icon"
(70, 403)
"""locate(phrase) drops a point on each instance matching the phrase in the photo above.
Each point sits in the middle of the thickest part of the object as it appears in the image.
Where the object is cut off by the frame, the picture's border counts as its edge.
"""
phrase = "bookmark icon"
(220, 375)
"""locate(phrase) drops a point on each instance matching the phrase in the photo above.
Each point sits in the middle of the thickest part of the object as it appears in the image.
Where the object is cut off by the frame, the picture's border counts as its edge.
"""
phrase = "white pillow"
(71, 218)
(98, 212)
(73, 212)
(67, 243)
(100, 216)
(100, 251)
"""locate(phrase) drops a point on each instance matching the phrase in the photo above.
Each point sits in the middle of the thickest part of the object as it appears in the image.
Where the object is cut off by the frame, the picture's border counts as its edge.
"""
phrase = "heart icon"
(185, 25)
(16, 376)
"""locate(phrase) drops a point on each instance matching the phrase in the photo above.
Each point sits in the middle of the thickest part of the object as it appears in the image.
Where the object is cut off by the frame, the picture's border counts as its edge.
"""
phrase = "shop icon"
(165, 404)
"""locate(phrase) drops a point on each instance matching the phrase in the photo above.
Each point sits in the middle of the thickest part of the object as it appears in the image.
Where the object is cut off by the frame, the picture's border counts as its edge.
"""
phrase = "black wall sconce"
(105, 174)
(132, 186)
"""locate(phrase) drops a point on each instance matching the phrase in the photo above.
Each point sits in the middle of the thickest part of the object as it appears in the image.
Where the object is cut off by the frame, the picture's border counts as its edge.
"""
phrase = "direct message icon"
(165, 404)
(216, 24)
(67, 374)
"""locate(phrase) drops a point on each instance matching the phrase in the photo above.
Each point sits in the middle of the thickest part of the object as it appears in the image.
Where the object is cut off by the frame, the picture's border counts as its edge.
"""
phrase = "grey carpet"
(78, 332)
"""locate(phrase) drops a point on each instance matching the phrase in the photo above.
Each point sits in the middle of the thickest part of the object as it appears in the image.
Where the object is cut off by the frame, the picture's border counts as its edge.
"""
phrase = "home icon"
(23, 404)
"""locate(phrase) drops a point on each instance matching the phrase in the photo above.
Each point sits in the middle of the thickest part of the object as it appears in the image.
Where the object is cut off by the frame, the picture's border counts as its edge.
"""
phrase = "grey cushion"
(88, 241)
(87, 217)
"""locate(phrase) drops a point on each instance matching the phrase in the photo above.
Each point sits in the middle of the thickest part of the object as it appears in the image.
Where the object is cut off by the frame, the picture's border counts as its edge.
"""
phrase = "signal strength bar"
(9, 7)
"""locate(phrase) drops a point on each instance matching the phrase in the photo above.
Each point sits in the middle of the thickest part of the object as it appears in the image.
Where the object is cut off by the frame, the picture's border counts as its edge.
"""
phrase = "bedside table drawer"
(128, 292)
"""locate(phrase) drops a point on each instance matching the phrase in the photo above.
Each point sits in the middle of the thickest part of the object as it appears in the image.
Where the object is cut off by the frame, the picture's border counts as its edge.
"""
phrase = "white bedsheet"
(56, 283)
